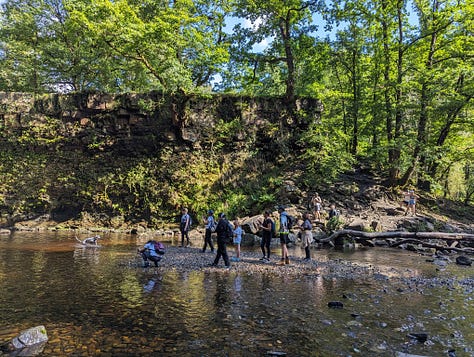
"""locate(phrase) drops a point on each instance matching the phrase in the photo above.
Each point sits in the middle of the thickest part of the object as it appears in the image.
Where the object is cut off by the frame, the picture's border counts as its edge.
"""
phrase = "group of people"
(222, 228)
(227, 234)
(267, 227)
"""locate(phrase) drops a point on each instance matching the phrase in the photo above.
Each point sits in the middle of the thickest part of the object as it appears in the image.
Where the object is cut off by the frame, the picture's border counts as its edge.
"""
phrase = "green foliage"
(334, 224)
(324, 155)
(396, 83)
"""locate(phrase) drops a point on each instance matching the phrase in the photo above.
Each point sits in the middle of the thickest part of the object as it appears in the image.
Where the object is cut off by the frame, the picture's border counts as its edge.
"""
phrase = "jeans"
(184, 234)
(221, 251)
(265, 243)
(146, 256)
(208, 240)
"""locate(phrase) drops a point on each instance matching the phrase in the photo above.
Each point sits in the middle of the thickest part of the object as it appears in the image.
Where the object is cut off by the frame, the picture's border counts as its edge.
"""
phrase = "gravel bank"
(192, 259)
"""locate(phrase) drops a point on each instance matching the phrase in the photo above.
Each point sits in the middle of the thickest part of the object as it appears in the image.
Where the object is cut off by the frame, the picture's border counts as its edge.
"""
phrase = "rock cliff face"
(125, 156)
(155, 118)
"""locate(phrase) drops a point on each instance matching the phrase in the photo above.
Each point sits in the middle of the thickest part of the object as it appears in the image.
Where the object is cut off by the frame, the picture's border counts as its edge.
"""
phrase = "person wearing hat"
(224, 234)
(210, 223)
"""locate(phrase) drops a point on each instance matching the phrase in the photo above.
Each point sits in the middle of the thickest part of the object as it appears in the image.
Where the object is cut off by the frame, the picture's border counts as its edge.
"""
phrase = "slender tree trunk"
(425, 98)
(393, 129)
(355, 104)
(289, 59)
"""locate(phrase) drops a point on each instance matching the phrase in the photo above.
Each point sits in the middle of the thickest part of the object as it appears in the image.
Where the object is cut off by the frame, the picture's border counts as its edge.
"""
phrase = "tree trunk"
(425, 99)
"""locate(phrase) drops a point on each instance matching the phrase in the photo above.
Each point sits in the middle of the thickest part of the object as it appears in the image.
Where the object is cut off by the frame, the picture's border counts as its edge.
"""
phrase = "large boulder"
(358, 225)
(252, 224)
(249, 240)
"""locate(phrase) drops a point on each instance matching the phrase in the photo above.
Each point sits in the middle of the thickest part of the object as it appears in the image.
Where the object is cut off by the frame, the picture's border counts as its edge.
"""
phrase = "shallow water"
(93, 303)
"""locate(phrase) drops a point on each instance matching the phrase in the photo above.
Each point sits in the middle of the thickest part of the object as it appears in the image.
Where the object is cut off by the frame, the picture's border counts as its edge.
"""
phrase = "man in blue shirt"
(284, 235)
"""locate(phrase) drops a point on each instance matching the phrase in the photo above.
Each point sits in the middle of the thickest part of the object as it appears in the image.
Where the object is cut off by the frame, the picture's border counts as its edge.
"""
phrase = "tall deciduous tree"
(286, 25)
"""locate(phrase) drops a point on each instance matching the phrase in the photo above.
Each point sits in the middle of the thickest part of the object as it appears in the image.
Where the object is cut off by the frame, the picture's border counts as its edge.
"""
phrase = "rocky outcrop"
(29, 342)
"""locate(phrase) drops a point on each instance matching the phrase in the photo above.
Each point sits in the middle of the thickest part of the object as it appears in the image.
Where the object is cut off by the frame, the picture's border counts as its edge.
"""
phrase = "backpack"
(290, 222)
(273, 231)
(229, 236)
(159, 247)
(213, 226)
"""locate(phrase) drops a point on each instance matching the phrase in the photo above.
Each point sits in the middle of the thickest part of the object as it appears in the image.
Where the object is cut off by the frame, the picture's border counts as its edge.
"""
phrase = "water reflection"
(93, 304)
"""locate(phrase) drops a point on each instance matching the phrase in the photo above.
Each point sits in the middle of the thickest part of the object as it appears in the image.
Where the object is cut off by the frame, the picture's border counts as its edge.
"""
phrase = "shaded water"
(92, 303)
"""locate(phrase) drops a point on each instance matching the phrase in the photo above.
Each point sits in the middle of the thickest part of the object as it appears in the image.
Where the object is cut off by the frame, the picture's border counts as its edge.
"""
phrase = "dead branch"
(431, 245)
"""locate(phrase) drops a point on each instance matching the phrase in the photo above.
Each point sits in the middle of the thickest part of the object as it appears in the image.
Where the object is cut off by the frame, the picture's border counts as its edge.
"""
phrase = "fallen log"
(431, 245)
(399, 234)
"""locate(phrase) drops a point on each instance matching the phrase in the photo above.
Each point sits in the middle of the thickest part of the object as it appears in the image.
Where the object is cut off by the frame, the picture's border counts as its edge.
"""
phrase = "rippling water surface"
(93, 303)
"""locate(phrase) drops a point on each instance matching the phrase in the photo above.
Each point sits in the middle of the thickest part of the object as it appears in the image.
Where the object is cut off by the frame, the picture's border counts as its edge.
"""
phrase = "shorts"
(237, 240)
(411, 202)
(284, 238)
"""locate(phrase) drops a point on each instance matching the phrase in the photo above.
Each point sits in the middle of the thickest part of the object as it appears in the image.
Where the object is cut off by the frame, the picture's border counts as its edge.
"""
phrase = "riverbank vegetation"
(394, 77)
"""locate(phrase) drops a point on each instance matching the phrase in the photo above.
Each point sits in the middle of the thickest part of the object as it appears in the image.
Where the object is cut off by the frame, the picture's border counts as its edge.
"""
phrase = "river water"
(96, 302)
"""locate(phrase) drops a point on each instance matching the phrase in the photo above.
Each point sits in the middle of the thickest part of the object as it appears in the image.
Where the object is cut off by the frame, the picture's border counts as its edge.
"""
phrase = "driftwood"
(408, 237)
(431, 245)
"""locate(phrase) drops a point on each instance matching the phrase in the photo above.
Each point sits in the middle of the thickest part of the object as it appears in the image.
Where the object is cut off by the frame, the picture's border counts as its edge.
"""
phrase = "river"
(98, 302)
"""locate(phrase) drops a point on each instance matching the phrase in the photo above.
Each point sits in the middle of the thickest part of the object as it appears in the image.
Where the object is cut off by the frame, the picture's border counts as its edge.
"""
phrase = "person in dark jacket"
(224, 234)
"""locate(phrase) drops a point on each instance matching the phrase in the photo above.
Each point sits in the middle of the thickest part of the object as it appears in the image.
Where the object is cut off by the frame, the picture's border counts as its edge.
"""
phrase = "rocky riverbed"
(187, 259)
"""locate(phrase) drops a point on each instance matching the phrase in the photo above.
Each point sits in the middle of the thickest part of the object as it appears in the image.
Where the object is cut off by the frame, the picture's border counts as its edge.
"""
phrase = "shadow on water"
(93, 304)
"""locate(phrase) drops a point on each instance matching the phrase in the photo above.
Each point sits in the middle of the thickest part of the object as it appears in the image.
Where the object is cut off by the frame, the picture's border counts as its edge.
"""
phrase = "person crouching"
(149, 252)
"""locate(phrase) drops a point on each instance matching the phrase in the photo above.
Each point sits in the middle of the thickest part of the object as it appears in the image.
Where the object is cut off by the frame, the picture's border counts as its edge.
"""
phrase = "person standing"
(185, 226)
(284, 235)
(237, 239)
(307, 236)
(266, 236)
(412, 197)
(333, 212)
(210, 223)
(316, 205)
(224, 232)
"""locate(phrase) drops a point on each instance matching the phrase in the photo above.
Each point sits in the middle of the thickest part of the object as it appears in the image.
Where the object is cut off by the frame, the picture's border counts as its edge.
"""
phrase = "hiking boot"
(263, 259)
(287, 261)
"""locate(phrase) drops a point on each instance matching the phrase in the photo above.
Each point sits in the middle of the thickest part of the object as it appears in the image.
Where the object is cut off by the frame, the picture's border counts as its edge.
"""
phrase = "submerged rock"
(419, 336)
(462, 260)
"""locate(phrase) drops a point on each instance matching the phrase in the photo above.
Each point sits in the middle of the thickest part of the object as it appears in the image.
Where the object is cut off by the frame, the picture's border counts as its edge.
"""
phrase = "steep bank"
(120, 161)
